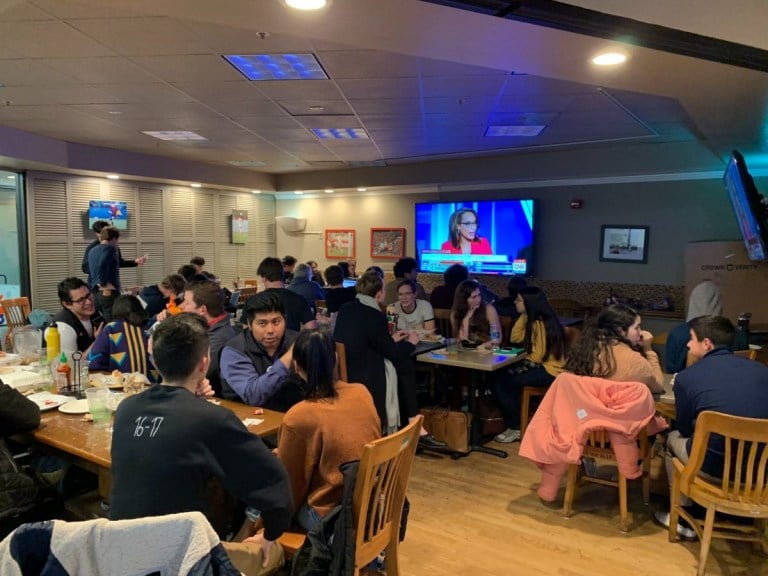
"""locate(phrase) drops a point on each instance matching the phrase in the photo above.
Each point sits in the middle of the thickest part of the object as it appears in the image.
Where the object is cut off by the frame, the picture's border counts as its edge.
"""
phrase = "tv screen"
(488, 237)
(116, 213)
(748, 206)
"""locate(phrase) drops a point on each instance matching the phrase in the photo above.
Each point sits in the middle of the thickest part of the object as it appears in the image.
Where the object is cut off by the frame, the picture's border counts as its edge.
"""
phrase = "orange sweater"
(317, 436)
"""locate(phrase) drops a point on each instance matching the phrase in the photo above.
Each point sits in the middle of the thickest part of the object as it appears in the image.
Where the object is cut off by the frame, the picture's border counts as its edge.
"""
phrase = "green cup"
(452, 345)
(98, 407)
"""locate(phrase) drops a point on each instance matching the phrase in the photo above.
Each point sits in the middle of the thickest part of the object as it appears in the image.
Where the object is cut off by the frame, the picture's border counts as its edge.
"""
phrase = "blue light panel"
(340, 133)
(277, 66)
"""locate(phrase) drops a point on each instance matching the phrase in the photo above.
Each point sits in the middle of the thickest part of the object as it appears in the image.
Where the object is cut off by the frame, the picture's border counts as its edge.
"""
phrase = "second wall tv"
(114, 212)
(488, 236)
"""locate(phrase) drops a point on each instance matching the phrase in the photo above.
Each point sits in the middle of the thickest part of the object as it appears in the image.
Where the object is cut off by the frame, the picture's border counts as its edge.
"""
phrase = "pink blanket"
(573, 407)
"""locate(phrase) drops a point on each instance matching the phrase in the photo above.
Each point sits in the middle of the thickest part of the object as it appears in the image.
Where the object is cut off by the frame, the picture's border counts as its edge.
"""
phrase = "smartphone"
(511, 351)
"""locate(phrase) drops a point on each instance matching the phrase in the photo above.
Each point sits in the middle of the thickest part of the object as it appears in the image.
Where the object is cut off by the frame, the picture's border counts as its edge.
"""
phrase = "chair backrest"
(341, 352)
(744, 476)
(599, 446)
(16, 311)
(246, 293)
(749, 354)
(568, 308)
(443, 322)
(506, 329)
(382, 479)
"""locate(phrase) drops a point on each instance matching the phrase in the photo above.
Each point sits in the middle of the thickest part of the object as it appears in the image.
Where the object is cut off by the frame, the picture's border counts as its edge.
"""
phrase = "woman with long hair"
(463, 237)
(614, 346)
(471, 318)
(541, 336)
(328, 428)
(122, 344)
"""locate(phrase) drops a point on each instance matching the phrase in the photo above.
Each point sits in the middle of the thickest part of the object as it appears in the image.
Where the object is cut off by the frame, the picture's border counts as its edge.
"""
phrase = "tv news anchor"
(462, 234)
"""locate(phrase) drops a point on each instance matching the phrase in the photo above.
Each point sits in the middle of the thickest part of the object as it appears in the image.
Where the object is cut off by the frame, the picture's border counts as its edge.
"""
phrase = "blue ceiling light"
(277, 66)
(340, 133)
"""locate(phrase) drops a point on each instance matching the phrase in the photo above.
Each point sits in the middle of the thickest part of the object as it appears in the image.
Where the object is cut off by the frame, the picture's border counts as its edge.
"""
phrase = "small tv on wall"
(114, 212)
(749, 206)
(487, 236)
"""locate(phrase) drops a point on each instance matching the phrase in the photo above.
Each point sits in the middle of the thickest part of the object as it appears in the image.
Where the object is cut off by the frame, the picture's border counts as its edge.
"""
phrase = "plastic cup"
(452, 345)
(98, 407)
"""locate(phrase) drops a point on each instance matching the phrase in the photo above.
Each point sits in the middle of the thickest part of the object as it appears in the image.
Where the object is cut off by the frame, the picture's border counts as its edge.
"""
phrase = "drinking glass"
(452, 345)
(97, 406)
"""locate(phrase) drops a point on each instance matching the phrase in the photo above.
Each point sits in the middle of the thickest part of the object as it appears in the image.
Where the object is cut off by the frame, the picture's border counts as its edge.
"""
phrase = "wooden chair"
(443, 322)
(250, 282)
(599, 447)
(743, 490)
(506, 329)
(572, 336)
(341, 352)
(377, 504)
(246, 293)
(16, 312)
(749, 354)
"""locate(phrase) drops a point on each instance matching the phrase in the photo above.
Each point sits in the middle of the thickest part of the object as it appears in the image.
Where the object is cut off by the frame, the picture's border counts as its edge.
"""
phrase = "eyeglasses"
(404, 294)
(83, 299)
(469, 224)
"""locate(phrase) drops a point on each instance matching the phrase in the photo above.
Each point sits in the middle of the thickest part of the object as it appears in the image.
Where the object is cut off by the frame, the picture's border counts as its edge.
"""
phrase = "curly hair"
(460, 307)
(593, 356)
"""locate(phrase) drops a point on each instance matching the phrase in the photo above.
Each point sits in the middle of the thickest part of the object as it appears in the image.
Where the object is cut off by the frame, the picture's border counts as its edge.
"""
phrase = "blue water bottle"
(495, 337)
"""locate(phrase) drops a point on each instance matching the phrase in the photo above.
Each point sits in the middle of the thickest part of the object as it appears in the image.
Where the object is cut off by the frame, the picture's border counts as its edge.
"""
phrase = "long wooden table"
(89, 447)
(476, 362)
(665, 403)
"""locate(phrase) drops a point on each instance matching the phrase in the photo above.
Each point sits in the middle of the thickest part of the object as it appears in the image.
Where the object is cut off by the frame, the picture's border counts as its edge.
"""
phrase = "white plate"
(75, 407)
(47, 401)
(8, 359)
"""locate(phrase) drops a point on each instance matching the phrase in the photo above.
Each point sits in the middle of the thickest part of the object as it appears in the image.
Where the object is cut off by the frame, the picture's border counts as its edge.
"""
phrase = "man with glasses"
(405, 269)
(255, 364)
(412, 313)
(78, 322)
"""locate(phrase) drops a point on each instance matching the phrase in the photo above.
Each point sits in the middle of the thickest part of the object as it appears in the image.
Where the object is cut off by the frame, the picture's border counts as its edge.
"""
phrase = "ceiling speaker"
(291, 224)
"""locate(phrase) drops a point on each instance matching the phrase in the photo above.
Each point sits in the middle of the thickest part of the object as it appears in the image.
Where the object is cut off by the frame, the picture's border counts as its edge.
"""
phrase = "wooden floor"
(480, 515)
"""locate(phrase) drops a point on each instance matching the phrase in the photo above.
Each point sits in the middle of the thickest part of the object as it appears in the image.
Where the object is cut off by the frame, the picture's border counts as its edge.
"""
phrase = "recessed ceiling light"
(362, 189)
(11, 177)
(298, 192)
(328, 191)
(115, 112)
(255, 191)
(340, 133)
(609, 59)
(113, 176)
(306, 4)
(316, 108)
(277, 66)
(246, 163)
(174, 135)
(196, 185)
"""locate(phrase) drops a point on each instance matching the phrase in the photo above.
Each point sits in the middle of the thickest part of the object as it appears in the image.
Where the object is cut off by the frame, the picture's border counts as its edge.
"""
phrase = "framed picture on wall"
(624, 244)
(387, 243)
(340, 244)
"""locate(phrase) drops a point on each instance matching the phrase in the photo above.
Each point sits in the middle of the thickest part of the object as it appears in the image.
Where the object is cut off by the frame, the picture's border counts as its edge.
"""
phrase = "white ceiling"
(423, 80)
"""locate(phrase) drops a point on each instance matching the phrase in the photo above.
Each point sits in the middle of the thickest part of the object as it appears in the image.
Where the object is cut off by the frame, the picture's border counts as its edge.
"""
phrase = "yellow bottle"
(52, 342)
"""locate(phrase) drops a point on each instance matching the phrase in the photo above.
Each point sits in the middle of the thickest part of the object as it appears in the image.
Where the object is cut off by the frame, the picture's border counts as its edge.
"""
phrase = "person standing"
(104, 266)
(97, 227)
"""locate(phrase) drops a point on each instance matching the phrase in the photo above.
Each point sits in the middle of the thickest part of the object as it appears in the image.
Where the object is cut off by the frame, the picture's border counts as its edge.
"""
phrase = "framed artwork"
(387, 243)
(624, 244)
(340, 244)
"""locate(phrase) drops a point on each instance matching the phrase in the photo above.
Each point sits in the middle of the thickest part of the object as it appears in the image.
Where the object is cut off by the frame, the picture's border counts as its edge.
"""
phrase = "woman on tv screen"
(462, 234)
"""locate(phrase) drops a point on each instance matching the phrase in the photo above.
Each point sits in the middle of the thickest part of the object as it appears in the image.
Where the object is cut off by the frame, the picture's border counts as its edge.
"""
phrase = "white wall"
(567, 240)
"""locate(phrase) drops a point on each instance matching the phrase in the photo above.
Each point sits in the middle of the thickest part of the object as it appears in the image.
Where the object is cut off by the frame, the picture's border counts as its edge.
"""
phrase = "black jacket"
(364, 333)
(68, 317)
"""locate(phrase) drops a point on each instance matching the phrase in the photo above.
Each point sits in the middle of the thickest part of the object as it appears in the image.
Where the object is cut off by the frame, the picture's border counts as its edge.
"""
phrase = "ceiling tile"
(31, 73)
(370, 88)
(84, 9)
(460, 105)
(267, 122)
(232, 40)
(299, 89)
(388, 106)
(103, 70)
(328, 121)
(145, 93)
(49, 39)
(368, 64)
(189, 68)
(431, 67)
(65, 94)
(304, 107)
(206, 91)
(463, 86)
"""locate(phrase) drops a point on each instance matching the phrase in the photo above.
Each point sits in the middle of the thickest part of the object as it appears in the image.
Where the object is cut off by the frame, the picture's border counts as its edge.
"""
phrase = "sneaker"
(683, 532)
(589, 465)
(508, 436)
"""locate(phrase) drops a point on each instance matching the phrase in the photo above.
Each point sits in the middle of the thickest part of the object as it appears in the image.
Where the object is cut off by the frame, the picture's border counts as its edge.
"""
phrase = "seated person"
(703, 301)
(615, 347)
(539, 332)
(442, 295)
(719, 381)
(324, 431)
(255, 364)
(376, 360)
(289, 263)
(199, 263)
(171, 448)
(405, 269)
(317, 276)
(123, 345)
(336, 294)
(298, 314)
(471, 318)
(412, 314)
(187, 271)
(305, 287)
(77, 322)
(508, 306)
(157, 296)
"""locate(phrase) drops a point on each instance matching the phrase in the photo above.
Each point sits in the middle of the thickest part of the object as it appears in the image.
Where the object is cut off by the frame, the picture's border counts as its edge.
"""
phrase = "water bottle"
(495, 337)
(742, 332)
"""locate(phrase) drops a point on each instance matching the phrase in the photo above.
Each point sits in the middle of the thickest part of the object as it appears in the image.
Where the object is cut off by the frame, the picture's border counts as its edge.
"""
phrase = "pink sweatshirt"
(573, 407)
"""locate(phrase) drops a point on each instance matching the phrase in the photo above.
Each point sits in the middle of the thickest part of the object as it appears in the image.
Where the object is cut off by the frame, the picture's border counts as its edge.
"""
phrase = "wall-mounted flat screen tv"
(487, 236)
(748, 206)
(116, 213)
